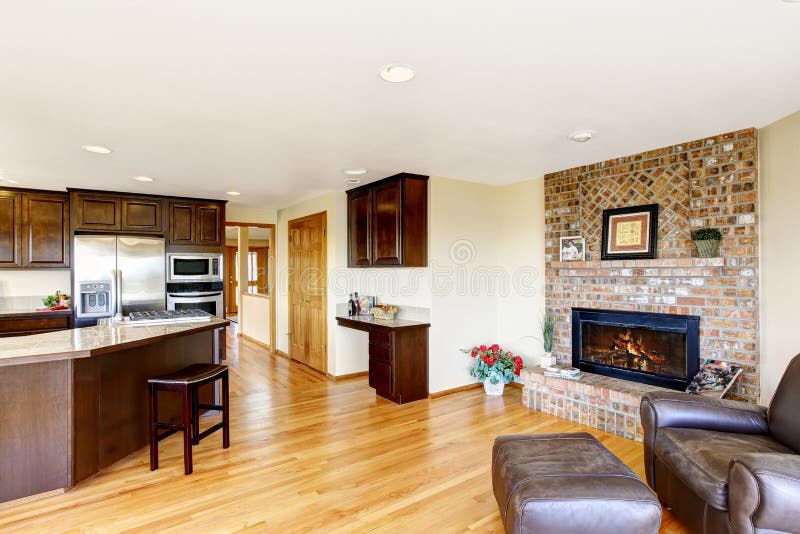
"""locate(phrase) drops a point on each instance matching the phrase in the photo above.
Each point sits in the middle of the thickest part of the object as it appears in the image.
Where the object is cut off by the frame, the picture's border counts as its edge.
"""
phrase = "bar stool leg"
(226, 438)
(153, 427)
(195, 416)
(187, 431)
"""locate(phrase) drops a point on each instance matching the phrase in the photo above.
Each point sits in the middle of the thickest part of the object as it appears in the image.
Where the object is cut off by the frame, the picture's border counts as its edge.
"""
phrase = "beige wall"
(780, 254)
(254, 317)
(17, 283)
(478, 235)
(251, 215)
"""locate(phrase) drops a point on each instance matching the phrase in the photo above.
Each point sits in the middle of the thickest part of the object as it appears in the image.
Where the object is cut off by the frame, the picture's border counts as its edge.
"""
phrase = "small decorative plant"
(707, 241)
(494, 367)
(548, 326)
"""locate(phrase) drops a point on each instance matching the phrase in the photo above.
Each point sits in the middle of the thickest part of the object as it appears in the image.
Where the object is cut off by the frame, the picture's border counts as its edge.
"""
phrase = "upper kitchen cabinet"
(93, 212)
(45, 224)
(196, 223)
(142, 215)
(34, 229)
(116, 213)
(388, 223)
(10, 229)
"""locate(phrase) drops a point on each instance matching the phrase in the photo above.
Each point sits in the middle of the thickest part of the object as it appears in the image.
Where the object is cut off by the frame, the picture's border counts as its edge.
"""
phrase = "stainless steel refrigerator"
(117, 274)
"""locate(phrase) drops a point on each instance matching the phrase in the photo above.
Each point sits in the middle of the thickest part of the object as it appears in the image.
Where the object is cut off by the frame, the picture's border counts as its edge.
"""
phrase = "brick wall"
(707, 182)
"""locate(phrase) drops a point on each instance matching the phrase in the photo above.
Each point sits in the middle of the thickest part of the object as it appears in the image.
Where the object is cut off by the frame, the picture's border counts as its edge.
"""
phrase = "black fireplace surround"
(650, 348)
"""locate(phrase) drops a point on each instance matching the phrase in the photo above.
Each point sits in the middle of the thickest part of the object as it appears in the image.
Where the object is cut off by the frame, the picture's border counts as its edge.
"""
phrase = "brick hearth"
(603, 402)
(707, 182)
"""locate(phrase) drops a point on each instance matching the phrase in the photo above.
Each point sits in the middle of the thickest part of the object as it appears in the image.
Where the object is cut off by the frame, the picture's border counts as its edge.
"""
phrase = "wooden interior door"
(307, 290)
(232, 289)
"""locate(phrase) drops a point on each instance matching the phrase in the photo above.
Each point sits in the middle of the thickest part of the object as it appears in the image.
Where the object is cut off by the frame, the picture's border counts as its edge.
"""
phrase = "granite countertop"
(92, 340)
(369, 320)
(32, 311)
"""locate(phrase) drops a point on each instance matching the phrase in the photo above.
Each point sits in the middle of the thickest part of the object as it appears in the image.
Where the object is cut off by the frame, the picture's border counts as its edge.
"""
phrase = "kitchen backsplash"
(21, 303)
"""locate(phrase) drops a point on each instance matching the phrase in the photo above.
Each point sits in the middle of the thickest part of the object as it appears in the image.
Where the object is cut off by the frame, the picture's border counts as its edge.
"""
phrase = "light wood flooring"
(308, 454)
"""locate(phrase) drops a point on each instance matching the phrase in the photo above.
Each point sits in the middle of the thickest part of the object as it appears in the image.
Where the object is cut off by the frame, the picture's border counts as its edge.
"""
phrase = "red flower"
(518, 360)
(495, 347)
(474, 352)
(516, 371)
(482, 348)
(490, 361)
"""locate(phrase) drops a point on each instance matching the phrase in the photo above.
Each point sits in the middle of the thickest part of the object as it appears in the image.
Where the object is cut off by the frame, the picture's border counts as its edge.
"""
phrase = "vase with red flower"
(494, 367)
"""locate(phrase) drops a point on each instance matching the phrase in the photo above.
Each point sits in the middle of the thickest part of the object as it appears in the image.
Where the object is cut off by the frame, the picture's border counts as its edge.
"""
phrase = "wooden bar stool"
(186, 382)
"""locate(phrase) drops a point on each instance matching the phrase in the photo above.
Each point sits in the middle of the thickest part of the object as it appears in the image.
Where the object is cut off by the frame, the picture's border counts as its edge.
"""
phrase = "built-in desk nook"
(398, 356)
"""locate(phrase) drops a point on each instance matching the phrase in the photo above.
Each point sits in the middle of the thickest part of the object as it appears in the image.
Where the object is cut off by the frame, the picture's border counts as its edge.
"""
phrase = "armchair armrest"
(764, 492)
(682, 410)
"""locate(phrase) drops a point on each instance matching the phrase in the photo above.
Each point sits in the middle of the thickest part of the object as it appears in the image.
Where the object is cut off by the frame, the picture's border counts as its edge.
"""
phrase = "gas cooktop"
(168, 316)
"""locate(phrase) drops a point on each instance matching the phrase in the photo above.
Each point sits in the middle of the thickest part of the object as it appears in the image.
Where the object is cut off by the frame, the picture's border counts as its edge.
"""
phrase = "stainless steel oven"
(206, 296)
(194, 267)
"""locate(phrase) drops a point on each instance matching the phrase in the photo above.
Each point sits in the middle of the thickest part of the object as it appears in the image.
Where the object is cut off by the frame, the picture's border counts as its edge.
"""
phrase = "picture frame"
(630, 233)
(572, 248)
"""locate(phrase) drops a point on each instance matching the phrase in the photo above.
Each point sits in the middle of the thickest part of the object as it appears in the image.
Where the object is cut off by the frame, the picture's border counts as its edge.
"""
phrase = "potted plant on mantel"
(707, 242)
(547, 326)
(494, 367)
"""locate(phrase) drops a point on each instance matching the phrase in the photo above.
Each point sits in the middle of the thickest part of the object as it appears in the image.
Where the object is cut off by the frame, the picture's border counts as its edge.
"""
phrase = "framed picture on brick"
(573, 248)
(630, 233)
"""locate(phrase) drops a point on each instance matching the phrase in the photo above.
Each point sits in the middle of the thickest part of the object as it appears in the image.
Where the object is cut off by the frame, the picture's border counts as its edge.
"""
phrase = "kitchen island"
(75, 401)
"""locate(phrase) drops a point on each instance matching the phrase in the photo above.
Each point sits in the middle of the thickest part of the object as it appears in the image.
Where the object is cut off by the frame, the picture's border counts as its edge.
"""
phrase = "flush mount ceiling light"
(96, 149)
(581, 136)
(143, 179)
(353, 181)
(355, 172)
(233, 193)
(397, 73)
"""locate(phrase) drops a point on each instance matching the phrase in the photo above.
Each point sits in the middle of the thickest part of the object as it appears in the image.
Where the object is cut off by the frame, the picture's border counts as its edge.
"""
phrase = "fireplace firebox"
(651, 348)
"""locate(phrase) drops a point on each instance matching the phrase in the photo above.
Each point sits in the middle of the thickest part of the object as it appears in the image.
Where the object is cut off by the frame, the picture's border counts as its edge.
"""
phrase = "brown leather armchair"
(725, 466)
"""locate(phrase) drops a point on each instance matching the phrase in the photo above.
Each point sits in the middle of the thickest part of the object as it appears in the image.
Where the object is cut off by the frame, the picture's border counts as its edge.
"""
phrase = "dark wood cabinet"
(210, 224)
(388, 223)
(34, 229)
(23, 324)
(398, 357)
(10, 229)
(45, 223)
(359, 228)
(142, 215)
(96, 212)
(193, 223)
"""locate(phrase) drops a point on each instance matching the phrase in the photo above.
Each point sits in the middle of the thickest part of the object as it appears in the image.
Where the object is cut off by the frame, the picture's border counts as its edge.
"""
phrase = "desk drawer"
(380, 337)
(377, 352)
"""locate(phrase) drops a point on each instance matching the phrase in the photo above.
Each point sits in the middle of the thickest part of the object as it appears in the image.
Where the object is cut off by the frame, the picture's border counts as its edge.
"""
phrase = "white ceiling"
(275, 98)
(232, 232)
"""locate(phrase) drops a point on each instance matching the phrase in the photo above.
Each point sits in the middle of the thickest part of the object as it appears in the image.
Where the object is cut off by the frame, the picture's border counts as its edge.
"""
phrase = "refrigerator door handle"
(119, 294)
(113, 304)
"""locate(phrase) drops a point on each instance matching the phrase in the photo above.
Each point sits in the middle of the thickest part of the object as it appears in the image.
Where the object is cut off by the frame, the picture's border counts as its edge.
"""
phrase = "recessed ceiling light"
(143, 179)
(397, 73)
(353, 181)
(355, 172)
(233, 193)
(96, 149)
(581, 136)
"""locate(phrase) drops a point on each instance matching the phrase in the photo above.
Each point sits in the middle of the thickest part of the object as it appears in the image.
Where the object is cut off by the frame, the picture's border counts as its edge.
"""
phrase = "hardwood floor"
(309, 454)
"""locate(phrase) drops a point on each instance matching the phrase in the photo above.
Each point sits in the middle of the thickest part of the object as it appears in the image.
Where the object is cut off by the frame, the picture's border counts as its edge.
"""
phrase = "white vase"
(547, 360)
(493, 389)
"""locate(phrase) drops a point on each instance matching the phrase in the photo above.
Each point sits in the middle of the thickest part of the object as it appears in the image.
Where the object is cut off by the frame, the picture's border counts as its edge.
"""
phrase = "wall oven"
(194, 267)
(206, 296)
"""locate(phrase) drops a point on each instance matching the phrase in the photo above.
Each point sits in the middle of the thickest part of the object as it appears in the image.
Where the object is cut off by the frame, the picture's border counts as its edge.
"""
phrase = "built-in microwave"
(194, 267)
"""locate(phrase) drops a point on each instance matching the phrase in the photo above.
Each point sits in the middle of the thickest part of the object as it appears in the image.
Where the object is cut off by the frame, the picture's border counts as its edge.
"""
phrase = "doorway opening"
(249, 280)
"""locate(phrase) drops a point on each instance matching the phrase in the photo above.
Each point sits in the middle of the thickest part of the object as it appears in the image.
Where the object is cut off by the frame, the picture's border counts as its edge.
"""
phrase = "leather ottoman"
(568, 483)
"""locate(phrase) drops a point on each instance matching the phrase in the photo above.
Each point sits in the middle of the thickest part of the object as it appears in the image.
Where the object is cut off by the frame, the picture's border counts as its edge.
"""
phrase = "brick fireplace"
(707, 182)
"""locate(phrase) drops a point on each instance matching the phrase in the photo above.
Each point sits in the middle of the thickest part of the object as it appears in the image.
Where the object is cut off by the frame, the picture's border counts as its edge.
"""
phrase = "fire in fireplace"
(652, 348)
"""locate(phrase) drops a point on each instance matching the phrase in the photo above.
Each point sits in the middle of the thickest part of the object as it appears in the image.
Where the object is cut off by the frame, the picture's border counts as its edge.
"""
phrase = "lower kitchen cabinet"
(23, 324)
